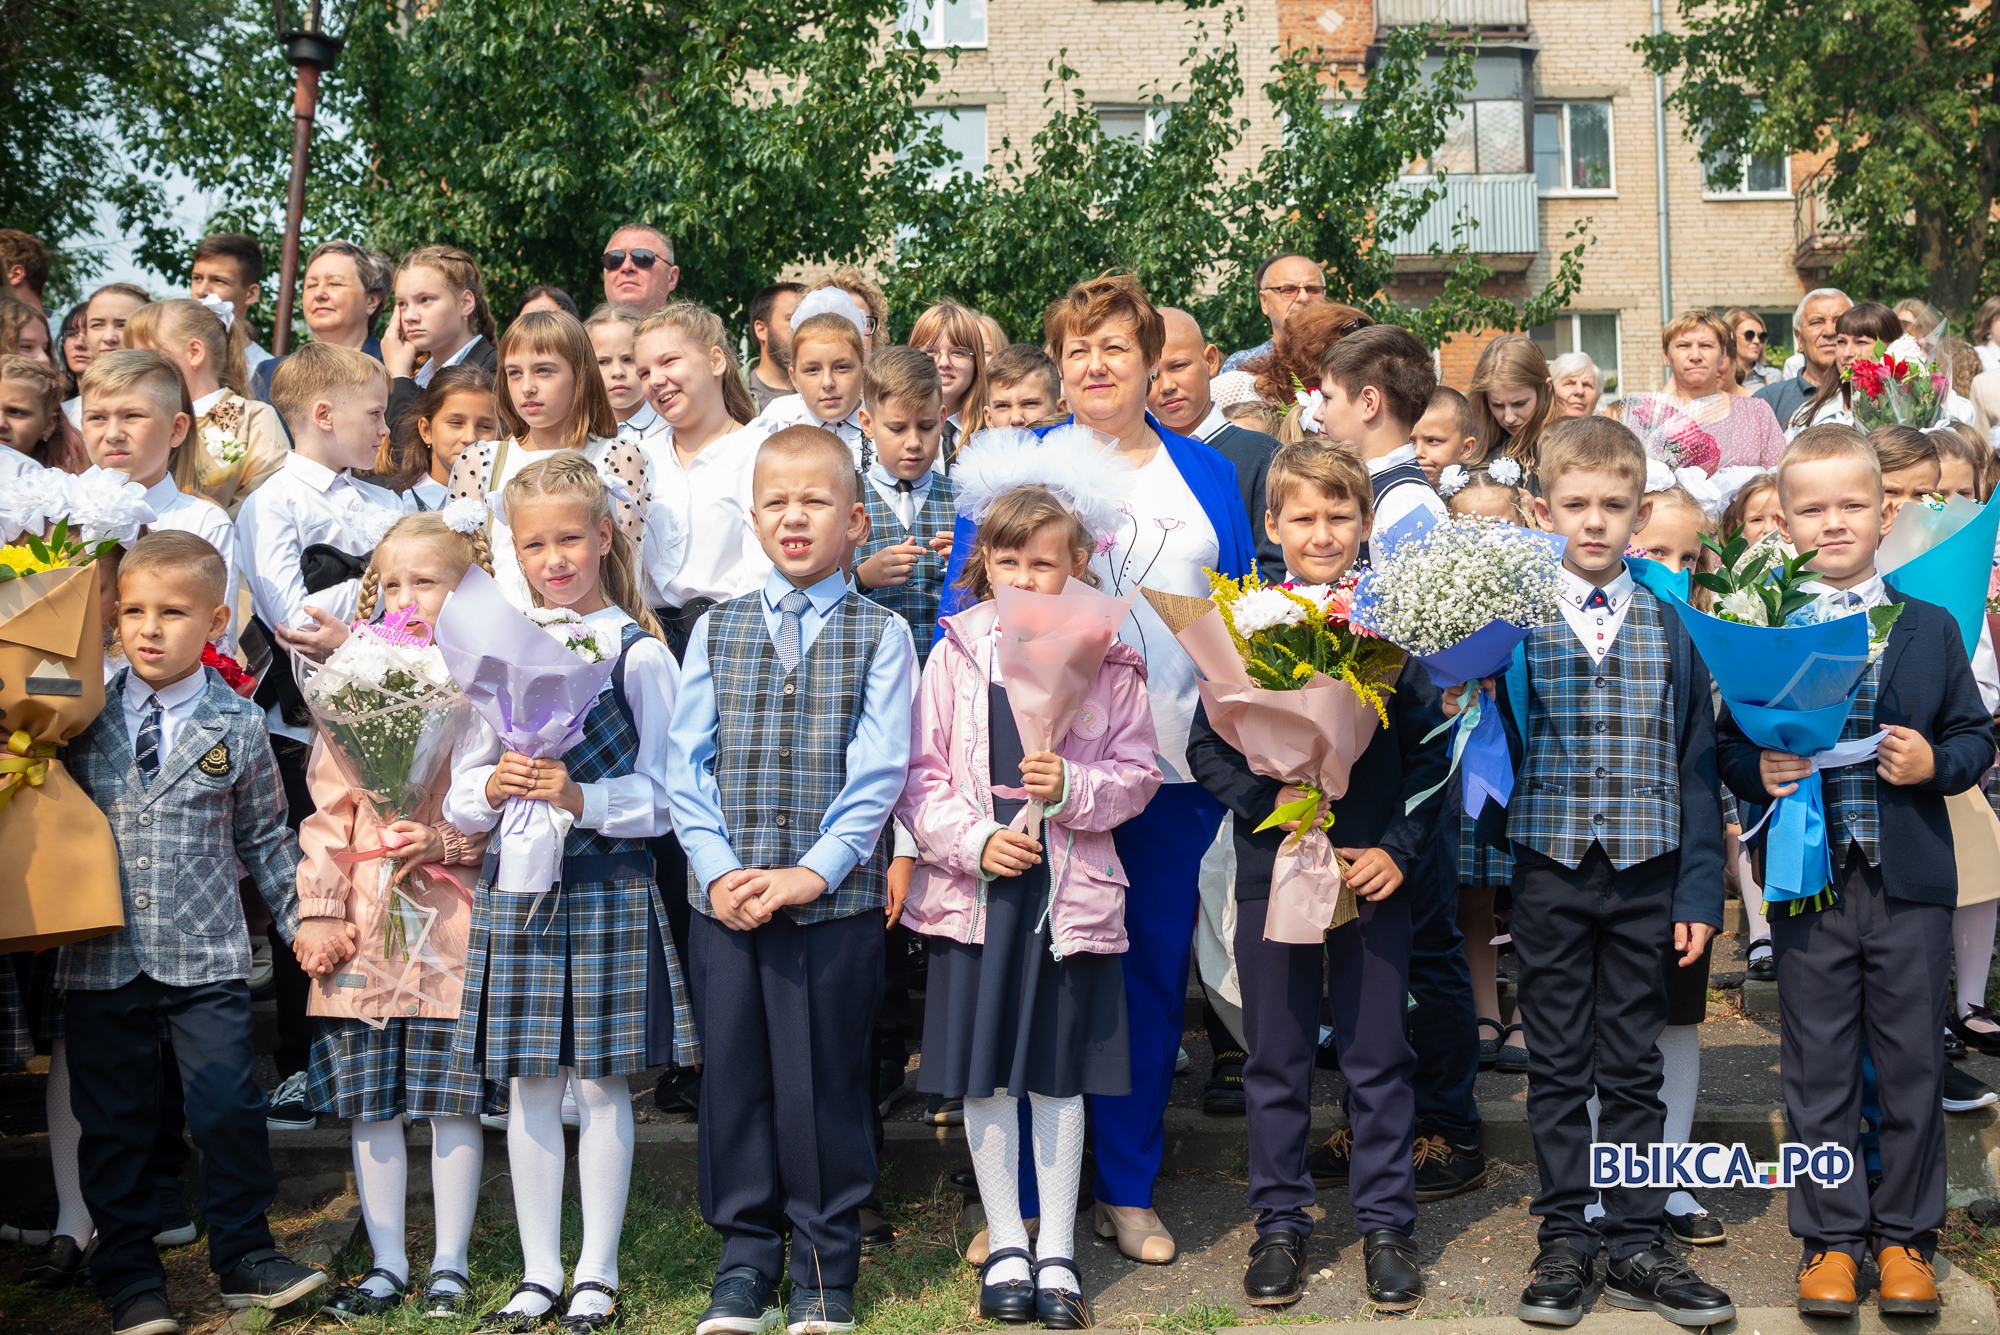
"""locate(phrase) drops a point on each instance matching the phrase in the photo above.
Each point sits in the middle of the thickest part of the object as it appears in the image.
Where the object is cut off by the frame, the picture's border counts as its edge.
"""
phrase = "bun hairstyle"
(465, 550)
(461, 273)
(703, 328)
(179, 320)
(574, 478)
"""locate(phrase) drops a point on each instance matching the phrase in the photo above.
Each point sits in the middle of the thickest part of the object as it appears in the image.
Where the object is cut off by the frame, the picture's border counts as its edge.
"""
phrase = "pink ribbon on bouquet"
(436, 870)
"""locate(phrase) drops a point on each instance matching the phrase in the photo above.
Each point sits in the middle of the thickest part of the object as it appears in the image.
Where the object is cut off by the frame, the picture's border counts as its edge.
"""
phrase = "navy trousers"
(787, 1128)
(1878, 969)
(1443, 1025)
(114, 1056)
(1369, 961)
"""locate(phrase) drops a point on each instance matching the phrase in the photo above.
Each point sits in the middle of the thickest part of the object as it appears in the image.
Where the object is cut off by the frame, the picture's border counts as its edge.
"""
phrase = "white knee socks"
(1754, 920)
(65, 1132)
(1058, 1136)
(993, 1131)
(604, 1172)
(382, 1174)
(1680, 1086)
(535, 1154)
(458, 1153)
(1972, 950)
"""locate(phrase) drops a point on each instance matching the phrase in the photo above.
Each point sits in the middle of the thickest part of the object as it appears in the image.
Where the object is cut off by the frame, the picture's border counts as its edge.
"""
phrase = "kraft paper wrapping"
(58, 861)
(1975, 839)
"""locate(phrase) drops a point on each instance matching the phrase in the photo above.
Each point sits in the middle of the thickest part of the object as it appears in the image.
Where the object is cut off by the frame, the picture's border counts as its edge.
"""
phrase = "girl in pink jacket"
(1026, 993)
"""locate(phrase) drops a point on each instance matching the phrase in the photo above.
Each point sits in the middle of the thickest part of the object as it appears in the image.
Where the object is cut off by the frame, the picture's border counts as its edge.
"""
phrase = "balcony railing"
(1503, 207)
(1452, 13)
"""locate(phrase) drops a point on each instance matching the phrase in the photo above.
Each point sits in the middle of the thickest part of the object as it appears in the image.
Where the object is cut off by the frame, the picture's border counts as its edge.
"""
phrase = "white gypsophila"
(1745, 606)
(1459, 577)
(33, 501)
(106, 505)
(1262, 609)
(1505, 471)
(464, 514)
(1452, 480)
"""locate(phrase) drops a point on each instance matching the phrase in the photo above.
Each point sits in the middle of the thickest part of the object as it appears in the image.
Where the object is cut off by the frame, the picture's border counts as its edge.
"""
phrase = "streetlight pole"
(309, 49)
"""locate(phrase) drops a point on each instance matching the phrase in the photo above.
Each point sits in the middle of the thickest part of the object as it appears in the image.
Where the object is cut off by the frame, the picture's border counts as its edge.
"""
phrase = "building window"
(1141, 125)
(1488, 135)
(1573, 148)
(946, 23)
(1594, 335)
(1756, 175)
(963, 130)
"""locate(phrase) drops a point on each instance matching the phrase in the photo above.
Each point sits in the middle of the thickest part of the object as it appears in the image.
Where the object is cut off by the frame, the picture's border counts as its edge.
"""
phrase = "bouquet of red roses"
(1896, 387)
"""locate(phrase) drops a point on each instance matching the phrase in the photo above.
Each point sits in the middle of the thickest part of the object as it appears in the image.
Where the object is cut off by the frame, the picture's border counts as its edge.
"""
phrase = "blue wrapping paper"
(1955, 571)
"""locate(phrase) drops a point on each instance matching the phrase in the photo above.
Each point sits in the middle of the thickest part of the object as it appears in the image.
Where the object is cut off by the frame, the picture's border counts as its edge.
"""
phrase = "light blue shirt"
(877, 759)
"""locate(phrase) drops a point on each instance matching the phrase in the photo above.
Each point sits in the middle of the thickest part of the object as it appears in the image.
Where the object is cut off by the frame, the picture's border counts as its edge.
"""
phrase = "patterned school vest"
(1849, 791)
(1601, 766)
(917, 601)
(610, 746)
(781, 741)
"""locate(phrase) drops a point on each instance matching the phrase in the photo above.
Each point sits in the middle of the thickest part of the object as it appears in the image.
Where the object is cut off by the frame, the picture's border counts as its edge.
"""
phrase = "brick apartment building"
(1560, 127)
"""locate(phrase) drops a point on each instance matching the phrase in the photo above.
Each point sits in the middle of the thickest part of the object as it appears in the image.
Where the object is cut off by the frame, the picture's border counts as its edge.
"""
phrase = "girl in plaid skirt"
(578, 981)
(381, 1051)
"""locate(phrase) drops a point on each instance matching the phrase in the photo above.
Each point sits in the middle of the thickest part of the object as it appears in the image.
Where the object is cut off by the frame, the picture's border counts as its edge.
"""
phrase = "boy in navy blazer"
(181, 767)
(1875, 964)
(1616, 831)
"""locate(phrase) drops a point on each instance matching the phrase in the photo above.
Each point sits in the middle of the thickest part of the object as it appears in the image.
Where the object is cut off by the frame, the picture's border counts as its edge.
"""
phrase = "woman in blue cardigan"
(1185, 516)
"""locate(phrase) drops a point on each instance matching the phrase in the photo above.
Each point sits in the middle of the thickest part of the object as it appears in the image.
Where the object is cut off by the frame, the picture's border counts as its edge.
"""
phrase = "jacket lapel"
(1899, 635)
(107, 733)
(197, 737)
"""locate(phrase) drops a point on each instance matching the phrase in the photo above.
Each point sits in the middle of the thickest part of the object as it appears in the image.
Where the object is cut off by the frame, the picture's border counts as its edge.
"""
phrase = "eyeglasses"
(643, 258)
(1752, 335)
(1293, 291)
(962, 356)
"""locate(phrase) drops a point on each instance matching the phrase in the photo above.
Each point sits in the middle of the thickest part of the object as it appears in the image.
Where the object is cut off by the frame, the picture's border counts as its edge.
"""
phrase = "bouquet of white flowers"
(573, 633)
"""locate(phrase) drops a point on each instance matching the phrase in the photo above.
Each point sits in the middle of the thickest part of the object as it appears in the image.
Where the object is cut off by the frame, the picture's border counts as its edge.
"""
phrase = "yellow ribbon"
(22, 761)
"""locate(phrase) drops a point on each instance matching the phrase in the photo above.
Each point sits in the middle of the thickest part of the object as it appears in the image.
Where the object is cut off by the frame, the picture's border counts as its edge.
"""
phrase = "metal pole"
(304, 99)
(1660, 173)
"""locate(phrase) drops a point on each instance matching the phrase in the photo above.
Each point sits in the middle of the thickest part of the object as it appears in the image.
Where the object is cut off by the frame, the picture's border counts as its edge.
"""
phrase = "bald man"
(1180, 400)
(639, 268)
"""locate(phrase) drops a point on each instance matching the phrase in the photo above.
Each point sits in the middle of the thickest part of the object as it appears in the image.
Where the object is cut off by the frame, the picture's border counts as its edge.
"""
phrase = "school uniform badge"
(216, 763)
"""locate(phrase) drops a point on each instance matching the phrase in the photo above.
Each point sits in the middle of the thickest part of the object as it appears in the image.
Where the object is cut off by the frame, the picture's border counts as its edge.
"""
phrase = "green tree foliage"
(1902, 94)
(1332, 187)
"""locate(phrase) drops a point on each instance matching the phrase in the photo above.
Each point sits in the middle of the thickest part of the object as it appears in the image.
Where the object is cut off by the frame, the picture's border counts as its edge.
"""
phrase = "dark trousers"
(1592, 1004)
(114, 1052)
(786, 1132)
(677, 623)
(1443, 1025)
(291, 986)
(1878, 969)
(1369, 960)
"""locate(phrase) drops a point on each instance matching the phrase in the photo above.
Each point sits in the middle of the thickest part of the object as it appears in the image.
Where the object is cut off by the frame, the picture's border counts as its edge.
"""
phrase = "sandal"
(521, 1323)
(583, 1323)
(1511, 1058)
(1489, 1048)
(351, 1302)
(440, 1304)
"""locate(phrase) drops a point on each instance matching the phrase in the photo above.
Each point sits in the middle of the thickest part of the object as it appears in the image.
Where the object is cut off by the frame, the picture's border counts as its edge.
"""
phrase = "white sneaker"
(1181, 1061)
(262, 971)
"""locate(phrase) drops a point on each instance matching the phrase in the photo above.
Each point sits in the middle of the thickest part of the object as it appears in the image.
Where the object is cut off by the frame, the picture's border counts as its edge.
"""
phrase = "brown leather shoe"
(1826, 1284)
(1909, 1285)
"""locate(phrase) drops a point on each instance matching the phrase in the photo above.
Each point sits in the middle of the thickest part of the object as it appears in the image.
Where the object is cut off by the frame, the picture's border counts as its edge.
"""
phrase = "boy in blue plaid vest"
(1617, 835)
(790, 741)
(1873, 966)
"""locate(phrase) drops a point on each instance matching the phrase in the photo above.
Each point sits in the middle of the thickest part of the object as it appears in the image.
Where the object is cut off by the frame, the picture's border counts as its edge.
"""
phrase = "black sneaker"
(1954, 1047)
(147, 1314)
(1698, 1228)
(1965, 1092)
(1559, 1286)
(892, 1084)
(269, 1282)
(1330, 1163)
(741, 1302)
(1277, 1272)
(1656, 1280)
(1445, 1169)
(678, 1092)
(289, 1110)
(1224, 1095)
(172, 1227)
(819, 1311)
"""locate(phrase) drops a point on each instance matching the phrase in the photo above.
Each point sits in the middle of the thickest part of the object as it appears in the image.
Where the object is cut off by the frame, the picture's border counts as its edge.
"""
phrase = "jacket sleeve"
(1221, 768)
(1698, 888)
(1103, 794)
(329, 829)
(950, 829)
(1961, 736)
(1737, 761)
(263, 840)
(1420, 710)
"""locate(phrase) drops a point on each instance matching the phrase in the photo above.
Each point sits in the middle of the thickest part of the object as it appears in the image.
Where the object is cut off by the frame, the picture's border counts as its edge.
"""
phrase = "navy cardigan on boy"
(1925, 684)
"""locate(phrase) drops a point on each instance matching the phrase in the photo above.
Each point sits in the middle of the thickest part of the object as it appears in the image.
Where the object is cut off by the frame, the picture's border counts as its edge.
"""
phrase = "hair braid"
(371, 592)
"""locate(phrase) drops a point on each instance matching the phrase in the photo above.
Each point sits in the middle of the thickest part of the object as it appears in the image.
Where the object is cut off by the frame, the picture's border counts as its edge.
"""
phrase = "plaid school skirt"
(406, 1068)
(559, 979)
(1480, 864)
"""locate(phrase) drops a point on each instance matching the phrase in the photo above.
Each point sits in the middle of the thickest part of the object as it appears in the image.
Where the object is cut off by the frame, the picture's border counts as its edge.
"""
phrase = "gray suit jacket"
(217, 799)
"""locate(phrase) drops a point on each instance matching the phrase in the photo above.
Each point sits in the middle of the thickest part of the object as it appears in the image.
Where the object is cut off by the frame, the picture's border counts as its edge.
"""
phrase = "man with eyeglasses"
(1752, 341)
(639, 268)
(1286, 282)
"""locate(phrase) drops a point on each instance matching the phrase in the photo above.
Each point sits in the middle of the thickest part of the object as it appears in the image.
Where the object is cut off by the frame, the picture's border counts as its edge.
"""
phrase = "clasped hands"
(516, 775)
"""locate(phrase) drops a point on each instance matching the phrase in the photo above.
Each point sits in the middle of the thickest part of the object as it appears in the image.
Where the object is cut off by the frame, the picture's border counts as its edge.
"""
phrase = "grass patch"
(1971, 1248)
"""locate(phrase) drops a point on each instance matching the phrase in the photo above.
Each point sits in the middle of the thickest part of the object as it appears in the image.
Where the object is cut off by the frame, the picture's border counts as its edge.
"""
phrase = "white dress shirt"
(619, 806)
(427, 493)
(433, 366)
(1595, 628)
(644, 424)
(177, 706)
(1401, 501)
(175, 509)
(205, 405)
(722, 558)
(253, 357)
(791, 410)
(1870, 592)
(1204, 430)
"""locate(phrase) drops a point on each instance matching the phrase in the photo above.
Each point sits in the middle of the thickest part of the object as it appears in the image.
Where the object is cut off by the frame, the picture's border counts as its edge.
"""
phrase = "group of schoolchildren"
(782, 759)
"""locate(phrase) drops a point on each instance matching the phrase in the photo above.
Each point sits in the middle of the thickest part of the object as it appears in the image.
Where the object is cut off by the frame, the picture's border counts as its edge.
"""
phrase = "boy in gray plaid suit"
(1617, 834)
(181, 767)
(790, 742)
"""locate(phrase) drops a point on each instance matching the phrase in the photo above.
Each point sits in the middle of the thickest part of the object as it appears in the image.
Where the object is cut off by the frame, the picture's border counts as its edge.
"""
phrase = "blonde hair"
(174, 553)
(1478, 482)
(319, 373)
(125, 369)
(796, 442)
(1512, 361)
(560, 334)
(961, 326)
(827, 327)
(464, 550)
(1700, 318)
(1900, 447)
(863, 289)
(461, 273)
(61, 448)
(574, 478)
(1737, 512)
(180, 320)
(1257, 415)
(1597, 444)
(1012, 522)
(704, 329)
(1334, 470)
(900, 375)
(1961, 442)
(1823, 443)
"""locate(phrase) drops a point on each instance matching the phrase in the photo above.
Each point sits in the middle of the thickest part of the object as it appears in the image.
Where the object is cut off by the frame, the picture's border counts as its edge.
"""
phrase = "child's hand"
(1905, 757)
(411, 844)
(1008, 853)
(1451, 693)
(1690, 939)
(1781, 772)
(723, 898)
(1287, 795)
(513, 776)
(398, 357)
(941, 544)
(1042, 775)
(900, 870)
(554, 786)
(779, 887)
(316, 641)
(323, 944)
(891, 566)
(1372, 872)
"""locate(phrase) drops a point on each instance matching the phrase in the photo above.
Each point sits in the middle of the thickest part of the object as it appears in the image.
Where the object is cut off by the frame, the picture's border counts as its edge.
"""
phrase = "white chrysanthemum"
(360, 658)
(106, 505)
(1456, 579)
(1262, 609)
(33, 501)
(1452, 480)
(1505, 471)
(1316, 594)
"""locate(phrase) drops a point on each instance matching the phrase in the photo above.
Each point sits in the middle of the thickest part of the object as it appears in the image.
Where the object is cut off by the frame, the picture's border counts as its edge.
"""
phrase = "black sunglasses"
(1753, 335)
(614, 259)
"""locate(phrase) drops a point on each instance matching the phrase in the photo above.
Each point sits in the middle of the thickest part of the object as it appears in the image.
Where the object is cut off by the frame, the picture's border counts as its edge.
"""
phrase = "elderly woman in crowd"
(1696, 422)
(344, 289)
(1578, 384)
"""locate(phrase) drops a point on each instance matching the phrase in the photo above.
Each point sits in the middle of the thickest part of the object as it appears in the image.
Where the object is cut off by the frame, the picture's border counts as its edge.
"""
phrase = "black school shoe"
(58, 1267)
(1697, 1229)
(1395, 1282)
(1445, 1169)
(1224, 1095)
(445, 1295)
(1063, 1309)
(352, 1302)
(1761, 965)
(678, 1092)
(146, 1314)
(1656, 1280)
(1559, 1286)
(1277, 1273)
(270, 1282)
(741, 1302)
(1012, 1301)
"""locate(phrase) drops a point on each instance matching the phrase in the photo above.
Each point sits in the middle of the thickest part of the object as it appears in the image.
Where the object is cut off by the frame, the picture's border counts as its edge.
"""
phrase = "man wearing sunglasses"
(1286, 282)
(639, 268)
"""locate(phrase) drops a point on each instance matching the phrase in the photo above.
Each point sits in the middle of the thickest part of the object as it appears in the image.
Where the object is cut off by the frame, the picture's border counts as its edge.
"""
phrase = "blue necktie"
(1597, 599)
(146, 751)
(791, 631)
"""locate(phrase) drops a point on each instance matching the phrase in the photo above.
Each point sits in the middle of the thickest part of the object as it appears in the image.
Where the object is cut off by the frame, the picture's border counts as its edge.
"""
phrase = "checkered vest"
(917, 601)
(610, 747)
(1848, 792)
(1601, 766)
(781, 741)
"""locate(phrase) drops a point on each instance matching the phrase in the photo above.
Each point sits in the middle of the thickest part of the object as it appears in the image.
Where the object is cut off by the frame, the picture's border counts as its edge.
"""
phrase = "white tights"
(65, 1133)
(1680, 1087)
(993, 1128)
(382, 1171)
(1972, 929)
(535, 1157)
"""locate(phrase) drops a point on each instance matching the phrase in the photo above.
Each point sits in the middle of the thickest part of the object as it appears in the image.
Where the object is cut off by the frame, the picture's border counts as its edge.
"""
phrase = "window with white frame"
(1573, 148)
(946, 23)
(963, 130)
(1141, 125)
(1488, 134)
(1595, 334)
(1758, 174)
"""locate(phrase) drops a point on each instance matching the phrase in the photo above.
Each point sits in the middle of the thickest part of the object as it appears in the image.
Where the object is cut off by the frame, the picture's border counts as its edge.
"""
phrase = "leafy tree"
(1903, 94)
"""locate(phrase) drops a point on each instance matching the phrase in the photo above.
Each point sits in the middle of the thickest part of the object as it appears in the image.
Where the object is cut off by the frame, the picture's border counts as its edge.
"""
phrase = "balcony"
(1818, 243)
(1484, 16)
(1504, 208)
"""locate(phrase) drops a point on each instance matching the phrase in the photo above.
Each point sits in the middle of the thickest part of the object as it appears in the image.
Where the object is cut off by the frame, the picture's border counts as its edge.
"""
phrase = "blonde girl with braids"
(382, 1056)
(237, 441)
(577, 985)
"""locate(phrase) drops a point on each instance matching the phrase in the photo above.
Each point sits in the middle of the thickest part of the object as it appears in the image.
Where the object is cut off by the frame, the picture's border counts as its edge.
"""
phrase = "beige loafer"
(1140, 1233)
(981, 1245)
